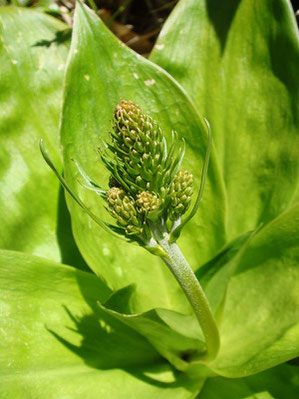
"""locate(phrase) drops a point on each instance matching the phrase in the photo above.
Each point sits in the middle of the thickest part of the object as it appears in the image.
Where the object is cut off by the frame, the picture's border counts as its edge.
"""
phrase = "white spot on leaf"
(159, 46)
(135, 75)
(87, 77)
(14, 62)
(106, 251)
(150, 82)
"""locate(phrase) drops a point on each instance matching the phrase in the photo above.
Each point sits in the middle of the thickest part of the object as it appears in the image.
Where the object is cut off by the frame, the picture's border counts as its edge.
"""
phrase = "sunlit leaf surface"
(56, 343)
(34, 218)
(238, 60)
(278, 383)
(259, 327)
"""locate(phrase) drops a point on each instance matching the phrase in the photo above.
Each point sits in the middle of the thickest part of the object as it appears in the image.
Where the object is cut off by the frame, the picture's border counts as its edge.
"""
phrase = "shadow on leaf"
(61, 36)
(70, 254)
(108, 344)
(221, 14)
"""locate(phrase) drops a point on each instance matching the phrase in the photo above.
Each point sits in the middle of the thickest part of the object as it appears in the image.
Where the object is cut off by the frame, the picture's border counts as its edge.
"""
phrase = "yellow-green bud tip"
(181, 192)
(123, 209)
(147, 201)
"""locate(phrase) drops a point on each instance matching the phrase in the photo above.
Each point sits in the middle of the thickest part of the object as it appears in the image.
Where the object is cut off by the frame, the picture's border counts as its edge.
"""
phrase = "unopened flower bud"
(123, 208)
(149, 204)
(140, 146)
(181, 192)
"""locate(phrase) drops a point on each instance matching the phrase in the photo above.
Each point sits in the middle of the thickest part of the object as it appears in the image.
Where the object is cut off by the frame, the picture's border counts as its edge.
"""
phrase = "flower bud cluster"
(181, 192)
(145, 183)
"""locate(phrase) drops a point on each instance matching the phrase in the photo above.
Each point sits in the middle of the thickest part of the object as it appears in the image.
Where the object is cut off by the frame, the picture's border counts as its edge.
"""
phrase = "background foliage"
(234, 63)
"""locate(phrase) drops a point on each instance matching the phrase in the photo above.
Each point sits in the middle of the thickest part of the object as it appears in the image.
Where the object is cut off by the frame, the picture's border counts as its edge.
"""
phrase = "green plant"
(143, 340)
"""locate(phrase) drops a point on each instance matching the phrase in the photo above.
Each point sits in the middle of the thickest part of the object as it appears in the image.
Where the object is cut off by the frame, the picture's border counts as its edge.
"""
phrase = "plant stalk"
(186, 278)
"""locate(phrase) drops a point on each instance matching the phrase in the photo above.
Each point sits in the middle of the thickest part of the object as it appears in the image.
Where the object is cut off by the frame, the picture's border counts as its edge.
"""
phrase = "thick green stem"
(186, 278)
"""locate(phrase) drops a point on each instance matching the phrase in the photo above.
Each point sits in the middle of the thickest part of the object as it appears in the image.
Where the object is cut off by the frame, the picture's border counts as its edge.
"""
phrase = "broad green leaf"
(260, 327)
(56, 343)
(280, 382)
(33, 213)
(215, 275)
(100, 71)
(173, 334)
(238, 61)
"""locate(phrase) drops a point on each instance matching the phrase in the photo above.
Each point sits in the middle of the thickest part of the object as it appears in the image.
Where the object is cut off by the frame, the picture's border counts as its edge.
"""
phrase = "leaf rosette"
(251, 282)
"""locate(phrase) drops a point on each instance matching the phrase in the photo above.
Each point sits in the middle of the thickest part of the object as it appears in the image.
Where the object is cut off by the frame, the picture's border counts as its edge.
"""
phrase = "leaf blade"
(278, 382)
(32, 66)
(233, 70)
(100, 71)
(262, 296)
(55, 342)
(164, 329)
